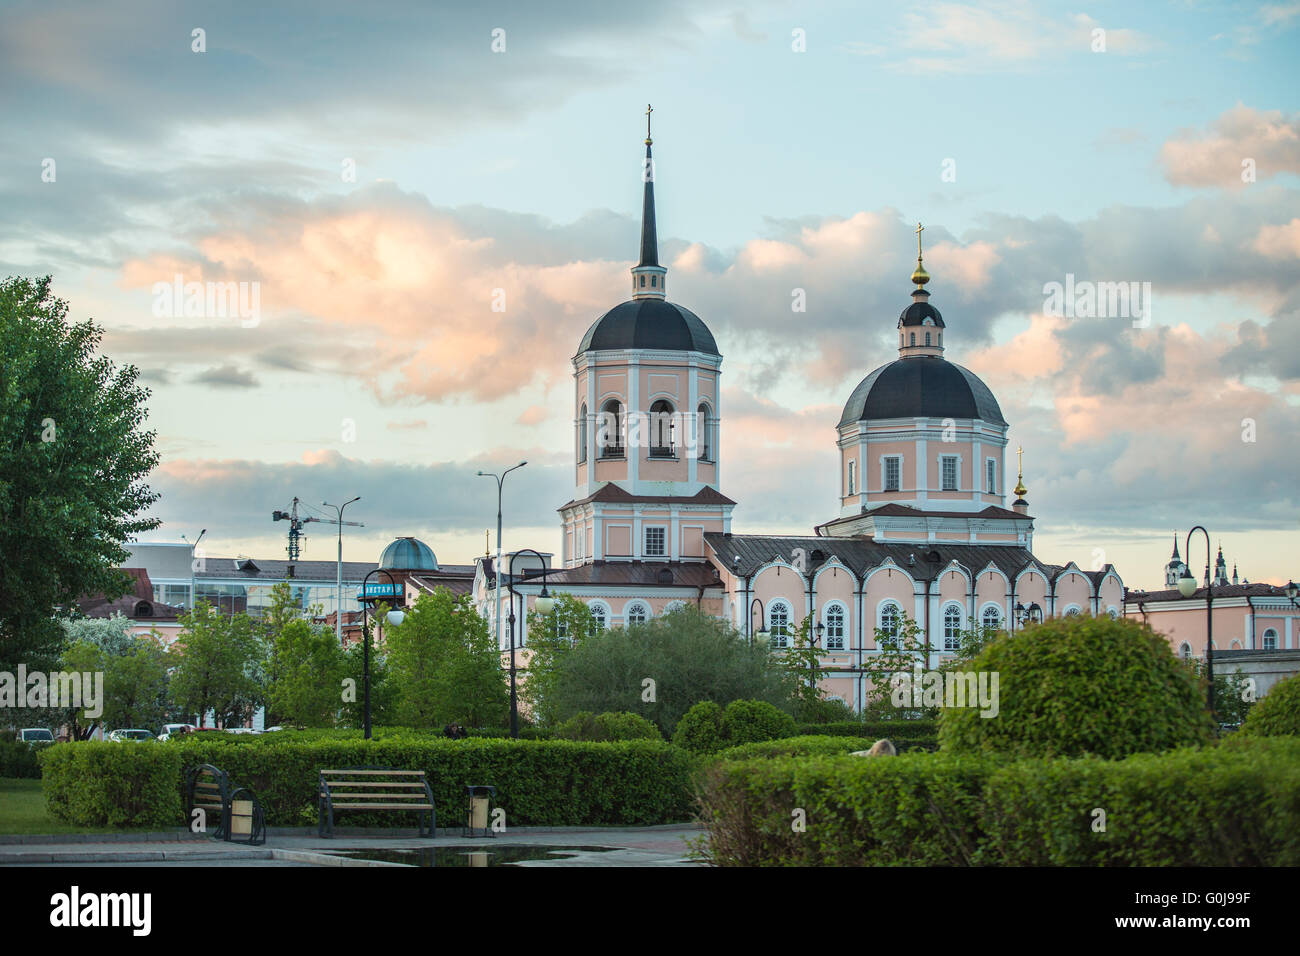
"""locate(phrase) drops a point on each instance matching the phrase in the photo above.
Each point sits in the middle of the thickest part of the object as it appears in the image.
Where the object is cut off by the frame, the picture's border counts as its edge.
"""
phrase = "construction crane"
(295, 544)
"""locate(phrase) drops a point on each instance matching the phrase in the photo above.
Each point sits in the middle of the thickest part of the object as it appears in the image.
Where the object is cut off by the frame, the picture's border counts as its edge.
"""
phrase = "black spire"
(648, 276)
(649, 239)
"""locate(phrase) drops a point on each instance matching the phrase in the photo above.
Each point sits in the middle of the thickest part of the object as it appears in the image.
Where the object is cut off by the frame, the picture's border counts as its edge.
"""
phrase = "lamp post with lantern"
(544, 605)
(1187, 588)
(394, 617)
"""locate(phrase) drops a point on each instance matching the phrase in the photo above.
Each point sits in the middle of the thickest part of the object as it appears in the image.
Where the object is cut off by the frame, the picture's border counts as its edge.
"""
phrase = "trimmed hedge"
(539, 783)
(1235, 805)
(133, 785)
(804, 746)
(19, 759)
(895, 730)
(608, 726)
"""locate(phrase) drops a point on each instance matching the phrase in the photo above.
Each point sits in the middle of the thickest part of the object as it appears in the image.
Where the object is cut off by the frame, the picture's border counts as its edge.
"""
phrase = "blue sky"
(776, 169)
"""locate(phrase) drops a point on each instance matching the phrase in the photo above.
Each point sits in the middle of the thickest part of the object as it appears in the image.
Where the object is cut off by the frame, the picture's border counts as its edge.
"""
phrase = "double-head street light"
(1028, 615)
(394, 617)
(1187, 587)
(543, 604)
(338, 610)
(500, 479)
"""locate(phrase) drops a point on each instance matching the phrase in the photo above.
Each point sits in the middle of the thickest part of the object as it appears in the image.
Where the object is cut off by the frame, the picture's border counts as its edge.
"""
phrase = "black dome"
(918, 312)
(922, 387)
(649, 324)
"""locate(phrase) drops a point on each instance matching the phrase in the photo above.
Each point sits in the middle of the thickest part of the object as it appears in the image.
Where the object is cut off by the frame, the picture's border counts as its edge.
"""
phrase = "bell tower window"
(611, 430)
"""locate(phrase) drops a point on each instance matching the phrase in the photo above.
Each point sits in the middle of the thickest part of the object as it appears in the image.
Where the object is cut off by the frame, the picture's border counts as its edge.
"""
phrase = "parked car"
(169, 729)
(35, 735)
(132, 734)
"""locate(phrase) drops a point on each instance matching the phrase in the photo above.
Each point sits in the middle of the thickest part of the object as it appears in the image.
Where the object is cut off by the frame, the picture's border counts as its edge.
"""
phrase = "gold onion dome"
(920, 277)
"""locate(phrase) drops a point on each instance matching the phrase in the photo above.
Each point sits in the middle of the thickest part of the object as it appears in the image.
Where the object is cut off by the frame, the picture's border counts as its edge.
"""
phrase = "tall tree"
(550, 637)
(73, 462)
(445, 665)
(216, 663)
(307, 668)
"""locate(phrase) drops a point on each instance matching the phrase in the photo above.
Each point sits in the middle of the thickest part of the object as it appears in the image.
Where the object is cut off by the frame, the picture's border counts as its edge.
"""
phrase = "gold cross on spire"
(919, 229)
(1020, 490)
(648, 110)
(919, 275)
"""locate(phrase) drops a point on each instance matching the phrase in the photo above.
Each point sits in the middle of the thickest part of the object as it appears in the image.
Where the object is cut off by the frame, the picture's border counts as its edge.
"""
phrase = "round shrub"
(1277, 713)
(1081, 685)
(608, 726)
(752, 721)
(700, 730)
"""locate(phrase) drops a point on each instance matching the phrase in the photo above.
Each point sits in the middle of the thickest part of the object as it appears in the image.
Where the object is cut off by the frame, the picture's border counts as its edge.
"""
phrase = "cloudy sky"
(381, 170)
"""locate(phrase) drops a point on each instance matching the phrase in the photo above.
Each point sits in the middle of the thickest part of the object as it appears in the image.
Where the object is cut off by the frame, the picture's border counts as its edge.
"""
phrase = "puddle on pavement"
(469, 856)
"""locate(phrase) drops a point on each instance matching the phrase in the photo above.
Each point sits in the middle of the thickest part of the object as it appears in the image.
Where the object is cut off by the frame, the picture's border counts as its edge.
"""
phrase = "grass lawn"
(22, 811)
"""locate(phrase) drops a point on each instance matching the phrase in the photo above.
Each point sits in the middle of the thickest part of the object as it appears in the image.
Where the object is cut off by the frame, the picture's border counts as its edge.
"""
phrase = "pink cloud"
(1214, 158)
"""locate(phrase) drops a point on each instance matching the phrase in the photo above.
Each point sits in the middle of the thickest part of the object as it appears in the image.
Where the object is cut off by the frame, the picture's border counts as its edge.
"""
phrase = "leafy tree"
(660, 668)
(1081, 685)
(216, 665)
(1277, 713)
(307, 664)
(73, 463)
(383, 693)
(899, 652)
(445, 665)
(1234, 695)
(803, 666)
(136, 685)
(550, 637)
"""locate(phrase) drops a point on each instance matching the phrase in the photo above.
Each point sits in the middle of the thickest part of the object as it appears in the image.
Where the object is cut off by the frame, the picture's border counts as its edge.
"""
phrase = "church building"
(923, 529)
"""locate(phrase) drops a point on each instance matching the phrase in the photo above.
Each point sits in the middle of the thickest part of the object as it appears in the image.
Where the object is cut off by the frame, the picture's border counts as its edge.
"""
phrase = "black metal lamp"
(544, 604)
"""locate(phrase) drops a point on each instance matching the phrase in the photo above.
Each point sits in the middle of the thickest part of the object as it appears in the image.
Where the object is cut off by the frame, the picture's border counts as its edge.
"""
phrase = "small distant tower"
(1020, 505)
(1174, 569)
(1234, 574)
(1220, 570)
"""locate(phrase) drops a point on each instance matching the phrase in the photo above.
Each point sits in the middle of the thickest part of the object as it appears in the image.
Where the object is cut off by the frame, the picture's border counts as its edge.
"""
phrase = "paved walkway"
(605, 846)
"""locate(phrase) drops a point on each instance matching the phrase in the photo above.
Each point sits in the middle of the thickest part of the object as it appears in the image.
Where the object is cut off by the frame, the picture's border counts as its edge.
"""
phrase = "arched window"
(582, 432)
(992, 618)
(952, 628)
(643, 282)
(1270, 640)
(853, 476)
(911, 338)
(674, 606)
(890, 624)
(661, 430)
(834, 621)
(1113, 614)
(706, 433)
(599, 616)
(1072, 611)
(636, 613)
(927, 338)
(654, 282)
(1185, 651)
(778, 623)
(611, 429)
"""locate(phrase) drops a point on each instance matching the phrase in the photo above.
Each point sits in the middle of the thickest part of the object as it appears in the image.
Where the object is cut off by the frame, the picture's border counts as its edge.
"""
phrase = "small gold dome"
(920, 276)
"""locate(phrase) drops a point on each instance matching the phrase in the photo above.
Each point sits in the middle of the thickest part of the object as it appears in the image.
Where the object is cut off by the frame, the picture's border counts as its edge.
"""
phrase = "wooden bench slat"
(382, 796)
(405, 773)
(394, 783)
(381, 806)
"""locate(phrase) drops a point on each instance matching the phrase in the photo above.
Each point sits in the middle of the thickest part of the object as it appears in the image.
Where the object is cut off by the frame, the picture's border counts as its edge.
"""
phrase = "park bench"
(238, 812)
(375, 788)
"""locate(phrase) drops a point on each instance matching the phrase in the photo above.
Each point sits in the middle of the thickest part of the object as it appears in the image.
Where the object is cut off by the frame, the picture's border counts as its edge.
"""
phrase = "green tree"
(660, 668)
(1234, 693)
(803, 667)
(382, 690)
(307, 667)
(551, 636)
(900, 651)
(136, 686)
(73, 462)
(1277, 713)
(216, 665)
(445, 665)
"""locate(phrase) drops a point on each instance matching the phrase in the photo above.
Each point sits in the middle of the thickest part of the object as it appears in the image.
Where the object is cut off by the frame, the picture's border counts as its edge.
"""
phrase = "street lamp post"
(394, 618)
(338, 604)
(544, 603)
(1187, 588)
(1028, 615)
(193, 550)
(500, 479)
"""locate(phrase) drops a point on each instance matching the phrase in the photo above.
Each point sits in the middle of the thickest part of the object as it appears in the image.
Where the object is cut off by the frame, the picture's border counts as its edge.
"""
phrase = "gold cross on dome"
(648, 110)
(1020, 459)
(919, 229)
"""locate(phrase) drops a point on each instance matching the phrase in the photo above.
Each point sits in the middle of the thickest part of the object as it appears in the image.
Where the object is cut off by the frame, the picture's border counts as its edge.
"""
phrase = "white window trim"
(880, 608)
(943, 623)
(994, 462)
(853, 477)
(627, 608)
(957, 482)
(993, 605)
(884, 485)
(1072, 607)
(645, 540)
(770, 613)
(844, 623)
(609, 614)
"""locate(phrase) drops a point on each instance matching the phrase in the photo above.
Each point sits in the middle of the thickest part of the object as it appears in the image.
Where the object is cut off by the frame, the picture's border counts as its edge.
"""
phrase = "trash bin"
(478, 819)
